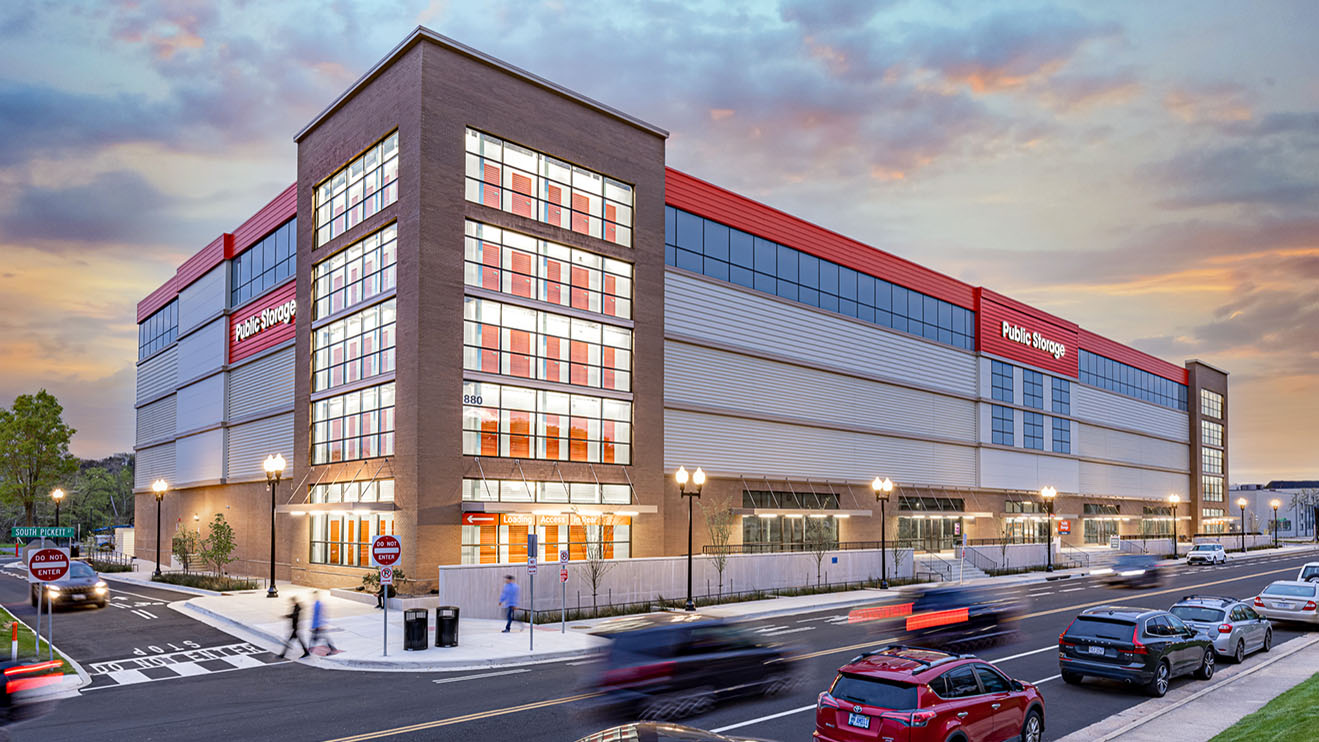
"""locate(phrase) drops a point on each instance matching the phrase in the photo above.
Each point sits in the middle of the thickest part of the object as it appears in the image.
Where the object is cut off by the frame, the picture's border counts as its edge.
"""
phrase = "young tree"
(597, 566)
(719, 521)
(186, 544)
(820, 541)
(217, 549)
(34, 451)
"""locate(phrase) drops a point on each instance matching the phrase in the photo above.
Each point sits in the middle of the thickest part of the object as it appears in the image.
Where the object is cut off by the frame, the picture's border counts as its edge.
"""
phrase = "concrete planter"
(397, 603)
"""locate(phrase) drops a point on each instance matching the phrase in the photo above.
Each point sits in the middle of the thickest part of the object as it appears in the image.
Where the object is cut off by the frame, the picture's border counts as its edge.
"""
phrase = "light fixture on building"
(274, 466)
(697, 479)
(158, 487)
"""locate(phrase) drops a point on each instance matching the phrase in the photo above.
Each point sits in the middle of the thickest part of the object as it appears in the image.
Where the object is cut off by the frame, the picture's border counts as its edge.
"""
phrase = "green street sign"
(41, 532)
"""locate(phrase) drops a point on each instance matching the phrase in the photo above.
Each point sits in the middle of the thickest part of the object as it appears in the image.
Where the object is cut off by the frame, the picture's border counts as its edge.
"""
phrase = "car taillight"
(1259, 602)
(1062, 641)
(826, 701)
(921, 718)
(1136, 646)
(1309, 605)
(1225, 628)
(638, 673)
(910, 718)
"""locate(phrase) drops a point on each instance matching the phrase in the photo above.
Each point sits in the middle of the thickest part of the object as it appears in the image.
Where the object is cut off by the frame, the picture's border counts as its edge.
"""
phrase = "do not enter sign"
(48, 565)
(385, 551)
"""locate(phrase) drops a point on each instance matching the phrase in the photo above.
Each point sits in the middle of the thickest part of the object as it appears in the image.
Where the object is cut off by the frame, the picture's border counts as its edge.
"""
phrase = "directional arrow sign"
(48, 565)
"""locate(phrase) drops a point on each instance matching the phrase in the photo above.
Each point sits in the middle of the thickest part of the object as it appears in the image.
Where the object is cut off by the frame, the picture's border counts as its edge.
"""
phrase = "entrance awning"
(336, 508)
(551, 508)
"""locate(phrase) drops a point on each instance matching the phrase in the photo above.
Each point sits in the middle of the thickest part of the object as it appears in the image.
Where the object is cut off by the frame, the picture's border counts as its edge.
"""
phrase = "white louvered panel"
(203, 298)
(263, 384)
(1120, 411)
(1125, 481)
(156, 421)
(1115, 445)
(251, 443)
(1021, 470)
(159, 375)
(709, 377)
(201, 404)
(199, 458)
(153, 463)
(203, 350)
(738, 446)
(724, 315)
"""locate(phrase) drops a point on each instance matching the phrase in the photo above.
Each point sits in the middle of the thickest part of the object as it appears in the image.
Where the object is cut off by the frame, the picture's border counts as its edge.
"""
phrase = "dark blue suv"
(1138, 646)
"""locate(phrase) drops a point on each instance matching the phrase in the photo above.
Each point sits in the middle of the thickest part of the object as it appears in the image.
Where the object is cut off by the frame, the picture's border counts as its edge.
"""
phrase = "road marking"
(129, 677)
(1044, 592)
(148, 615)
(765, 629)
(136, 595)
(582, 662)
(1045, 680)
(849, 647)
(182, 670)
(817, 618)
(465, 718)
(165, 659)
(1072, 589)
(1025, 654)
(749, 722)
(482, 675)
(781, 632)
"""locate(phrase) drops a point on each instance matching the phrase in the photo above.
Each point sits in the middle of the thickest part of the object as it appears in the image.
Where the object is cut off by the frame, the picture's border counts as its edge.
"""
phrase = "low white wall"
(474, 588)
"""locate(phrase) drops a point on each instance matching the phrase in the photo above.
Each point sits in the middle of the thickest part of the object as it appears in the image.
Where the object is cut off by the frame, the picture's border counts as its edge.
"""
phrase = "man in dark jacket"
(294, 617)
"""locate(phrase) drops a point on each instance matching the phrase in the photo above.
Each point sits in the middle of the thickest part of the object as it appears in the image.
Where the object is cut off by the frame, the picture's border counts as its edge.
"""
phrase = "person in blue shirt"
(320, 624)
(508, 598)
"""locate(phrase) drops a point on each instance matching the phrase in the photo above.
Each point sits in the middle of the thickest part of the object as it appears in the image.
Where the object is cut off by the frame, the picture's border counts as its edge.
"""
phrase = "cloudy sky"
(1148, 170)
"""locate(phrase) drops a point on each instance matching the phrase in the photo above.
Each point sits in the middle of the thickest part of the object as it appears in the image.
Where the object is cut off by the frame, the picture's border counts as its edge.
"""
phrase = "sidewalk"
(1197, 710)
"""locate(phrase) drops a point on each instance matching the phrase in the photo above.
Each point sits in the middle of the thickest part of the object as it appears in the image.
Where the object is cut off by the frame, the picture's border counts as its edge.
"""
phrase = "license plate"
(1283, 606)
(1095, 650)
(860, 721)
(79, 596)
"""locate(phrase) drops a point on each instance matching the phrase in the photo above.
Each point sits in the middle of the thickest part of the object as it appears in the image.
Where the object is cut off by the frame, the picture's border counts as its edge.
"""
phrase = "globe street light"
(697, 479)
(1174, 499)
(1275, 504)
(57, 495)
(158, 487)
(274, 466)
(883, 489)
(1048, 493)
(1241, 503)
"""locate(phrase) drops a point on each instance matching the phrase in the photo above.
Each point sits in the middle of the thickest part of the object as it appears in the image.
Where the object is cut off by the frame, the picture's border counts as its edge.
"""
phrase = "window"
(505, 176)
(1211, 404)
(502, 538)
(944, 504)
(264, 265)
(345, 538)
(1000, 379)
(875, 692)
(702, 246)
(158, 330)
(1098, 530)
(358, 191)
(356, 425)
(1032, 430)
(1024, 506)
(516, 341)
(788, 533)
(960, 682)
(1157, 520)
(1062, 396)
(378, 490)
(1097, 509)
(356, 347)
(513, 421)
(514, 263)
(1033, 389)
(355, 274)
(807, 500)
(519, 490)
(1211, 433)
(1118, 377)
(1211, 489)
(1062, 435)
(991, 681)
(1002, 425)
(1211, 460)
(1212, 512)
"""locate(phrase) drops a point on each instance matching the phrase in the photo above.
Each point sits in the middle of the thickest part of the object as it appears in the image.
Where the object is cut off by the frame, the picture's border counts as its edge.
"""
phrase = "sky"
(1147, 170)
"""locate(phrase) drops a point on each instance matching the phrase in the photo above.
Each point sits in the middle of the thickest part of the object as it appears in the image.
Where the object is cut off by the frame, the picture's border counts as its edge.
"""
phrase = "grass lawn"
(1291, 716)
(27, 643)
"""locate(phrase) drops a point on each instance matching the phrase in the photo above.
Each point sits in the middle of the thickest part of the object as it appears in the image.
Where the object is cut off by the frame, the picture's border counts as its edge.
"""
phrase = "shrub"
(102, 566)
(218, 583)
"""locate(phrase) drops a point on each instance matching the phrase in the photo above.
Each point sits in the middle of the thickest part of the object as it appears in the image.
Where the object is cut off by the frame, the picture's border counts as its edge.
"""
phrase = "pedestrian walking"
(295, 618)
(508, 598)
(320, 625)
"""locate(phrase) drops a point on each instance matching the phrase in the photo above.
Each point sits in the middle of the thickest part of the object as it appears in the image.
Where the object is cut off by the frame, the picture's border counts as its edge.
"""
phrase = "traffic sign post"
(46, 565)
(533, 548)
(563, 591)
(386, 550)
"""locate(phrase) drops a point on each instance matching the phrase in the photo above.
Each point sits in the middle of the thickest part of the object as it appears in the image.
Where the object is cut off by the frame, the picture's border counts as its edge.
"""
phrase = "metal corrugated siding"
(204, 298)
(199, 458)
(714, 378)
(158, 375)
(724, 315)
(754, 448)
(280, 209)
(1023, 470)
(1132, 357)
(153, 463)
(201, 404)
(1120, 411)
(1114, 445)
(1122, 481)
(250, 444)
(263, 384)
(156, 420)
(203, 350)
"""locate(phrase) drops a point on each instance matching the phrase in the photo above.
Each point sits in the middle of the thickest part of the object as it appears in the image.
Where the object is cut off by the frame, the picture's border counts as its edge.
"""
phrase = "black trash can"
(414, 629)
(446, 626)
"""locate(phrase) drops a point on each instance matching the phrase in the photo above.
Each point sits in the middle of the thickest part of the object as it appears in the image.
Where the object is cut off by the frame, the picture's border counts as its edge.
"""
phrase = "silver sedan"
(1289, 600)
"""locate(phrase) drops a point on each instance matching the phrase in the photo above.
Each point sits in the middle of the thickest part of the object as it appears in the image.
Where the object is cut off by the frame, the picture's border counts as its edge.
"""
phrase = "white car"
(1288, 600)
(1207, 554)
(1309, 572)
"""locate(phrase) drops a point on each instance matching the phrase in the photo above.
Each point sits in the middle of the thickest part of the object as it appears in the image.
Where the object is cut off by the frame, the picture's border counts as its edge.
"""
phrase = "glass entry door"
(930, 534)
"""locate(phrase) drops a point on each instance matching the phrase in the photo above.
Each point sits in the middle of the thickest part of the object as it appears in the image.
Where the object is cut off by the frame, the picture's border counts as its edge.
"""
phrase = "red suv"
(910, 694)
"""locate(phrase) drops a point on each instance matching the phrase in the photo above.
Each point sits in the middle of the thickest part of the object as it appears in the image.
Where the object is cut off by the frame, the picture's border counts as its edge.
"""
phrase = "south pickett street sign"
(41, 532)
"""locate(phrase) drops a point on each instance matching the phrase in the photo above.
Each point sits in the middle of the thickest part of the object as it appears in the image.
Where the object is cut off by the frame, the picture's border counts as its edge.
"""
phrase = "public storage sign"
(264, 323)
(1013, 330)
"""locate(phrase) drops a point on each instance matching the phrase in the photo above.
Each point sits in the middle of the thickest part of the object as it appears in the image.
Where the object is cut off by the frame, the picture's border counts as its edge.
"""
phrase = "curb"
(63, 691)
(158, 585)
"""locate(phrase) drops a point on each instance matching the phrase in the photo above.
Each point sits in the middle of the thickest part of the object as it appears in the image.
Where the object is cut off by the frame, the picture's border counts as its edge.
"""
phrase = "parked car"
(649, 731)
(1309, 572)
(1138, 646)
(1134, 570)
(1207, 554)
(1234, 625)
(671, 665)
(1289, 600)
(919, 694)
(80, 586)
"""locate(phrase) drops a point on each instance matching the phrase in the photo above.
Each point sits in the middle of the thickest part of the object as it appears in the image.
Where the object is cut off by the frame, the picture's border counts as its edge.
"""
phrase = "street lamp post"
(1275, 504)
(1048, 493)
(697, 479)
(883, 488)
(57, 495)
(1174, 499)
(1241, 503)
(274, 466)
(158, 487)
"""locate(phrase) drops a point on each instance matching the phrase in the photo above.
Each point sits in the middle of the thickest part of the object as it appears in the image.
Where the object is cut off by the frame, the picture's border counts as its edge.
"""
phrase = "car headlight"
(1132, 572)
(53, 589)
(100, 584)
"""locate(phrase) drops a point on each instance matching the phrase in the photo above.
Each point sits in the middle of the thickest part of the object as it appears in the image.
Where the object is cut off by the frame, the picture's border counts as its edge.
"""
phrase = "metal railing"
(1069, 557)
(935, 566)
(807, 547)
(980, 561)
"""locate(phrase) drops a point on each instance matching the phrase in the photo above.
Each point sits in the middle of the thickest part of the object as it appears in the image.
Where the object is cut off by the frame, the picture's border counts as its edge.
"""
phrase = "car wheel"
(1239, 656)
(1268, 640)
(1072, 678)
(1158, 687)
(1206, 670)
(1032, 730)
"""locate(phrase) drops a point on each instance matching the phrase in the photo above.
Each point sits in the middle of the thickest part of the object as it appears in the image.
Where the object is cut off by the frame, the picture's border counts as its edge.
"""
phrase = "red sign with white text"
(264, 323)
(386, 551)
(48, 565)
(1021, 333)
(480, 519)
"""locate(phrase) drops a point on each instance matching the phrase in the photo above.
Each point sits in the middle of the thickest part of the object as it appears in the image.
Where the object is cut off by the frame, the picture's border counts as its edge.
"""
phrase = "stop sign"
(48, 565)
(385, 551)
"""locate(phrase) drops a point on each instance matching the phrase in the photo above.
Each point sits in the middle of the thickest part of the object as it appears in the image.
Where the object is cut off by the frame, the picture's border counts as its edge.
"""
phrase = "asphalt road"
(258, 697)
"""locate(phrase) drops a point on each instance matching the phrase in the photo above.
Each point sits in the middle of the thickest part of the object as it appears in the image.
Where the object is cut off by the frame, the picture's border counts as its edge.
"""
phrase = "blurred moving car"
(1139, 646)
(958, 619)
(916, 694)
(23, 684)
(650, 731)
(1234, 626)
(1289, 600)
(81, 585)
(1309, 572)
(1135, 570)
(1207, 554)
(672, 665)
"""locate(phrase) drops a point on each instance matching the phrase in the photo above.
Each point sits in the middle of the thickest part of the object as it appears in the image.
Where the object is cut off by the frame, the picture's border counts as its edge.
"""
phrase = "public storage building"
(486, 307)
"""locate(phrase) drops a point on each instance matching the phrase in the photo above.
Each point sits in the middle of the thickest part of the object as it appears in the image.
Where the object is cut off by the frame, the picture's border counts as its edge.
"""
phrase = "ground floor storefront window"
(788, 533)
(345, 537)
(1030, 530)
(501, 538)
(1157, 521)
(930, 533)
